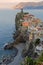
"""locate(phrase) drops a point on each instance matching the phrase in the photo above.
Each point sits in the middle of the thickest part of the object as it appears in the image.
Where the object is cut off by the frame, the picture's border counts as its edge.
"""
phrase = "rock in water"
(9, 46)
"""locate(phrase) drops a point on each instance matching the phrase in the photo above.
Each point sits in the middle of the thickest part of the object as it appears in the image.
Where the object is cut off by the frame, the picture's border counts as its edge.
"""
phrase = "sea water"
(7, 26)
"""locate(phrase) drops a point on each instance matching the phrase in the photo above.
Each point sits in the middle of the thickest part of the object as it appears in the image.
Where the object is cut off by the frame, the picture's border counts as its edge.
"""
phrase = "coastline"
(17, 60)
(19, 47)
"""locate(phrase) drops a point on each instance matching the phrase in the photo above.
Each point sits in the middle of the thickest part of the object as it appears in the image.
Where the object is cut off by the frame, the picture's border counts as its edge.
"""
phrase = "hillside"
(30, 5)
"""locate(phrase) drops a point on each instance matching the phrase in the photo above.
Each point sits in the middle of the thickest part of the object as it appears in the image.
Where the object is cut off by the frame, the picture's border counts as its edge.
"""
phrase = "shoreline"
(7, 59)
(19, 37)
(17, 60)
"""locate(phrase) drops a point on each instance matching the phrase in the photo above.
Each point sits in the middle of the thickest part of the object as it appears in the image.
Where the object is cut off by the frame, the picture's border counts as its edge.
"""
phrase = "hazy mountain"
(30, 5)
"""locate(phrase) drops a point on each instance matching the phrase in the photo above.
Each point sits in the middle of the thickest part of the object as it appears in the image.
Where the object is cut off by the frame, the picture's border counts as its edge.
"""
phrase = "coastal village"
(32, 31)
(29, 33)
(33, 27)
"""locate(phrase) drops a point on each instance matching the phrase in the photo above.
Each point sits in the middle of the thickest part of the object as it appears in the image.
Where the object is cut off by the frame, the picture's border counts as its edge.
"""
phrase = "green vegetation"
(31, 46)
(30, 61)
(19, 18)
(28, 53)
(37, 41)
(27, 61)
(40, 59)
(26, 13)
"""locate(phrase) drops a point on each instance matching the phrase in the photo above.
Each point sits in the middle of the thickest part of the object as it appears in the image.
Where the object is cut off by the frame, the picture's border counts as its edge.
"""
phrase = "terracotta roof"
(31, 15)
(25, 18)
(28, 15)
(26, 24)
(36, 20)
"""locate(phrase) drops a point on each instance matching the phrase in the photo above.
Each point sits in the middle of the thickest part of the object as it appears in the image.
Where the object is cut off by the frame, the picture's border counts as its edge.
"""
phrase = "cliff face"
(30, 4)
(19, 19)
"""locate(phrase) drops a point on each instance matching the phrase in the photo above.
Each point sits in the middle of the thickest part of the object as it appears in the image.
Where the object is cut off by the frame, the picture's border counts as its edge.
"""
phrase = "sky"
(11, 3)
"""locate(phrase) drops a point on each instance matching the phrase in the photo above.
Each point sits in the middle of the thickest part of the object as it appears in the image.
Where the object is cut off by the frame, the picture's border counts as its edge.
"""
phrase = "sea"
(7, 26)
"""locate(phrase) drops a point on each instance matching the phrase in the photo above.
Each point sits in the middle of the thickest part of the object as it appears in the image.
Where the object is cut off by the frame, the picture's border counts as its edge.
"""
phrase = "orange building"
(36, 21)
(26, 24)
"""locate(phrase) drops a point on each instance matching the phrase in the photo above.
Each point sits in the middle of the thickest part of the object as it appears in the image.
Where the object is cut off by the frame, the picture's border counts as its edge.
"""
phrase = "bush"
(28, 61)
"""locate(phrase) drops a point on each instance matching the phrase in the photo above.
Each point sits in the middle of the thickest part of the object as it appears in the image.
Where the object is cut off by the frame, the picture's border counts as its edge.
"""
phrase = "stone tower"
(22, 10)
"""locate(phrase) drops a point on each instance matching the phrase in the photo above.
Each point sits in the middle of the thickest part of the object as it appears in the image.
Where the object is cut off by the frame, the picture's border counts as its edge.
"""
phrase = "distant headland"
(30, 5)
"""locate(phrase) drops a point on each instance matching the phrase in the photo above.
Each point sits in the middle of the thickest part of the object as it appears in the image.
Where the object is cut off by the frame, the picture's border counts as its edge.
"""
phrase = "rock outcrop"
(19, 38)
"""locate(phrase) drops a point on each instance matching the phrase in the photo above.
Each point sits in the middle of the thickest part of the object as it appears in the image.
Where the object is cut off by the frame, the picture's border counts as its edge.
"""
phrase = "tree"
(40, 59)
(30, 49)
(31, 62)
(28, 61)
(37, 41)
